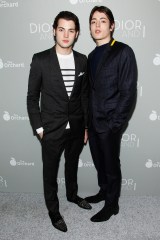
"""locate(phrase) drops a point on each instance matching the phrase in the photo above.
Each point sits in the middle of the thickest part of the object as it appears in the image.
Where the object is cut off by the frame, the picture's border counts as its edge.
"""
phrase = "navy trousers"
(105, 151)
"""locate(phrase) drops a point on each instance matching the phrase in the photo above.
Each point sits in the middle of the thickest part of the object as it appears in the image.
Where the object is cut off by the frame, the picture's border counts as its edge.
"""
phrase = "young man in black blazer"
(58, 79)
(113, 87)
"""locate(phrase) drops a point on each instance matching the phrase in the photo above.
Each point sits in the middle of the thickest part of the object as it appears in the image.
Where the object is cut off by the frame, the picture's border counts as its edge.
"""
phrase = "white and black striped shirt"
(67, 67)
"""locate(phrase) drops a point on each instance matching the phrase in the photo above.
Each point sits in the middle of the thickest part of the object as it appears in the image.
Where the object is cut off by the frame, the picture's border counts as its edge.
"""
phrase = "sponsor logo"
(1, 63)
(86, 164)
(5, 4)
(61, 182)
(140, 89)
(10, 64)
(15, 117)
(128, 184)
(156, 60)
(3, 182)
(130, 140)
(154, 116)
(151, 164)
(130, 28)
(43, 30)
(85, 1)
(73, 1)
(15, 163)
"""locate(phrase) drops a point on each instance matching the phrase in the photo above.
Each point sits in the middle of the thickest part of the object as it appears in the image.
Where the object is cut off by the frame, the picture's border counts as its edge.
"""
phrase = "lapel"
(92, 78)
(77, 70)
(105, 59)
(56, 71)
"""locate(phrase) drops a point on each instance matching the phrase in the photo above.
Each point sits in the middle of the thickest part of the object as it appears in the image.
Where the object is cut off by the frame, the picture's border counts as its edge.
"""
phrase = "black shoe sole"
(115, 212)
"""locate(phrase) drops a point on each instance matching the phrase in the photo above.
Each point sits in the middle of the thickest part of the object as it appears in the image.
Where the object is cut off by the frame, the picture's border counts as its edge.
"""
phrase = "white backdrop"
(26, 28)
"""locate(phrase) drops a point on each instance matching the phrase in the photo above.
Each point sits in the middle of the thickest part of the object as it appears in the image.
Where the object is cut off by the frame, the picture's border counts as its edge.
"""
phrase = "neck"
(63, 51)
(102, 41)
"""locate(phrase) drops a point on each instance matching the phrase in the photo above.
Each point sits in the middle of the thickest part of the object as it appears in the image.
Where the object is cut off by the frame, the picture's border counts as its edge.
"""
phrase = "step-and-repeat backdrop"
(26, 28)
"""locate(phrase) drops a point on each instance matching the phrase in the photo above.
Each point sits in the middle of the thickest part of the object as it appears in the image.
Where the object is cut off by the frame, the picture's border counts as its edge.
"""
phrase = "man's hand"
(85, 136)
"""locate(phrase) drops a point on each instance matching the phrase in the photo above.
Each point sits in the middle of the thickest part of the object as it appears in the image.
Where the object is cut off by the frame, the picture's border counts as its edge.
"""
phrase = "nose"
(66, 34)
(98, 24)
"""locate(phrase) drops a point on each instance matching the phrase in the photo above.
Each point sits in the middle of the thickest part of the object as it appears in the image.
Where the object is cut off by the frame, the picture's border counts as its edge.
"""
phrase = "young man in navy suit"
(113, 86)
(58, 79)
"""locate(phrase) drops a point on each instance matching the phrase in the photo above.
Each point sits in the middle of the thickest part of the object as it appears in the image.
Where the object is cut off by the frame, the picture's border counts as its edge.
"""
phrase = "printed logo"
(154, 116)
(10, 64)
(1, 63)
(151, 164)
(15, 117)
(43, 30)
(156, 60)
(130, 140)
(85, 1)
(130, 28)
(73, 1)
(3, 182)
(5, 4)
(61, 182)
(128, 184)
(140, 89)
(15, 163)
(86, 164)
(6, 116)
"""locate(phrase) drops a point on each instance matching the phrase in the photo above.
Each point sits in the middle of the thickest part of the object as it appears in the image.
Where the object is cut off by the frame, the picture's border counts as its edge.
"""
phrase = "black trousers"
(51, 153)
(105, 151)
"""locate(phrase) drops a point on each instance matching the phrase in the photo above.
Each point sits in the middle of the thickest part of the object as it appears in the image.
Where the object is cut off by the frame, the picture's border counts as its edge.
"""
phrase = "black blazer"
(56, 108)
(113, 88)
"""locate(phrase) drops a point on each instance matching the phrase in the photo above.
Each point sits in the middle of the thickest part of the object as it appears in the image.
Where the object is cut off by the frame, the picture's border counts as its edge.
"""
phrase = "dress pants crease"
(105, 151)
(52, 150)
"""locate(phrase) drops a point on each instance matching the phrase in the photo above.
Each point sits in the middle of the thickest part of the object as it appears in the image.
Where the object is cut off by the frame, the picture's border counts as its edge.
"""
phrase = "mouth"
(97, 31)
(65, 41)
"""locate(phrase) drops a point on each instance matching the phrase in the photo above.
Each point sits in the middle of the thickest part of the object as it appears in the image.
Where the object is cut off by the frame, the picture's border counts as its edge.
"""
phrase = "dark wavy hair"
(67, 16)
(104, 10)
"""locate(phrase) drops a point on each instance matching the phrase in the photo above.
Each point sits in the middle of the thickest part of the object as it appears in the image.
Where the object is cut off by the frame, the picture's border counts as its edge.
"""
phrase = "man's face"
(65, 33)
(100, 28)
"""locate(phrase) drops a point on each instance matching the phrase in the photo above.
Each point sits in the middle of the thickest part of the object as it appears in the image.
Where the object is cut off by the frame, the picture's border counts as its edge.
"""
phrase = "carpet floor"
(23, 216)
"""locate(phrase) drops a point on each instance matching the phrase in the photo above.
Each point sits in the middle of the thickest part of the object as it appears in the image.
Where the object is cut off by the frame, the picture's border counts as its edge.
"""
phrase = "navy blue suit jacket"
(113, 88)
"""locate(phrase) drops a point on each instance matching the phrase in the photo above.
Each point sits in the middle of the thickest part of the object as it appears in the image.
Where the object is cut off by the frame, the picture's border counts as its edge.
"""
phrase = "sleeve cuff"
(39, 130)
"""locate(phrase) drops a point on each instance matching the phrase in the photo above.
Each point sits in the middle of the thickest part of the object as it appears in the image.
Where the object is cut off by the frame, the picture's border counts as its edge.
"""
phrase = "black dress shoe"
(96, 198)
(105, 213)
(82, 203)
(58, 222)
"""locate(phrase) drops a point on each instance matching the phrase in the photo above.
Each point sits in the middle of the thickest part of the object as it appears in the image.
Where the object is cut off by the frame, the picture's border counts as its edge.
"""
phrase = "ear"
(54, 32)
(77, 33)
(112, 27)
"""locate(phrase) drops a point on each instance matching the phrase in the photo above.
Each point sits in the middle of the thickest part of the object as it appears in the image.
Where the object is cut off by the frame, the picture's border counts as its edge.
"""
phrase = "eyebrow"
(100, 18)
(68, 28)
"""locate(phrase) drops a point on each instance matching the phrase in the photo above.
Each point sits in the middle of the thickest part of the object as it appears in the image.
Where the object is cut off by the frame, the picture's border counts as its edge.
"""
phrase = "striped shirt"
(67, 67)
